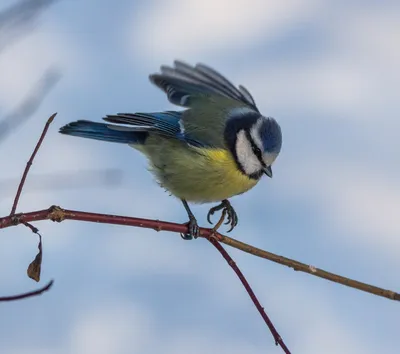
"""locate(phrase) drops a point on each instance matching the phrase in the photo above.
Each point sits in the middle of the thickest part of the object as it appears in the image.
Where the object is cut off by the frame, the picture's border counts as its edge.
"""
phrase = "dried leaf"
(35, 267)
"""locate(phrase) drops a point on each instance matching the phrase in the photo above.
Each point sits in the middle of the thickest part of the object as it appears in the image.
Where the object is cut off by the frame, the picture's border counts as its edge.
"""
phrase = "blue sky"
(326, 70)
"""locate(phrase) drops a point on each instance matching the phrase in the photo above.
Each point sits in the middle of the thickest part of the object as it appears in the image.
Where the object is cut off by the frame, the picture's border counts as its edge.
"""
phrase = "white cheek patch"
(245, 155)
(254, 132)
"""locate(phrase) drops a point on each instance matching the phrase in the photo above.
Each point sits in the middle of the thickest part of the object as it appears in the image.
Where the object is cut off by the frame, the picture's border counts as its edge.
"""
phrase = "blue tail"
(105, 132)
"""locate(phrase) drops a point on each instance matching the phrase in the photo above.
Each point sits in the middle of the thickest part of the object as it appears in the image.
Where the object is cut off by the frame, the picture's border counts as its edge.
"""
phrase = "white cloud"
(309, 322)
(354, 200)
(117, 327)
(323, 84)
(188, 29)
(351, 72)
(200, 342)
(368, 206)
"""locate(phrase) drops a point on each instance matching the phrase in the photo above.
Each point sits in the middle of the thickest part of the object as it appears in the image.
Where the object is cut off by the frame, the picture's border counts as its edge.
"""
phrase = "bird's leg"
(227, 207)
(194, 230)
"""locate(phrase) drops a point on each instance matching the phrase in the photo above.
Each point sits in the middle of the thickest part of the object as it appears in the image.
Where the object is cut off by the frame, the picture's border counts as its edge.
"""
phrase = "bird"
(218, 145)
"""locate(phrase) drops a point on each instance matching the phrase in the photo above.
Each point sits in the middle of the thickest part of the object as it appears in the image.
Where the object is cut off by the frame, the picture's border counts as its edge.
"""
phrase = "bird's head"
(255, 142)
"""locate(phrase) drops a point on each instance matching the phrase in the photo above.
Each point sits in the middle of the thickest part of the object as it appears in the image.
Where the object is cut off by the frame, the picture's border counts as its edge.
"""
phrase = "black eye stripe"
(255, 148)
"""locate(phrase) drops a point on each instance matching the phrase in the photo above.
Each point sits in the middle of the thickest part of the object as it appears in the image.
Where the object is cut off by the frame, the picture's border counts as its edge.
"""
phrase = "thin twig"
(220, 221)
(214, 241)
(309, 269)
(56, 213)
(229, 260)
(29, 164)
(28, 294)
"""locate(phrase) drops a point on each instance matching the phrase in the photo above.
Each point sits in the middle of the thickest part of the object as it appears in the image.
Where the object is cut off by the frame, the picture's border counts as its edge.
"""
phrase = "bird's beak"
(268, 171)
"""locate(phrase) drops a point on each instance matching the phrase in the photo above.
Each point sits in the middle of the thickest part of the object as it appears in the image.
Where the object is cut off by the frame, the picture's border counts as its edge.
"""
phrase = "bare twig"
(29, 163)
(228, 258)
(58, 214)
(28, 294)
(214, 241)
(220, 221)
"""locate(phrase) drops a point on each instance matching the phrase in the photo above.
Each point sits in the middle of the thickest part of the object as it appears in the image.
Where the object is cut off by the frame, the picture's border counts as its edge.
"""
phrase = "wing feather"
(182, 82)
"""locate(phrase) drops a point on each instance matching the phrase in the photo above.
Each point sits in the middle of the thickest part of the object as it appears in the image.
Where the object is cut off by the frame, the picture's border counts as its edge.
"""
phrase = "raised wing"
(183, 82)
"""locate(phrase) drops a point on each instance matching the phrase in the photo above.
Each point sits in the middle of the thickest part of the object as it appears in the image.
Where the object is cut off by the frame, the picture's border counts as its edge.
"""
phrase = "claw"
(194, 230)
(232, 218)
(209, 216)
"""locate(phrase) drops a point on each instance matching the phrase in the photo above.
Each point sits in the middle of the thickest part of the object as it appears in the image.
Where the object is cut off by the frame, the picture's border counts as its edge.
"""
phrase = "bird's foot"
(194, 230)
(226, 209)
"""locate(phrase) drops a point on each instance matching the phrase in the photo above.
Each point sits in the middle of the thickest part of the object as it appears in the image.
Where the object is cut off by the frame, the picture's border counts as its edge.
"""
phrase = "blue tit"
(219, 146)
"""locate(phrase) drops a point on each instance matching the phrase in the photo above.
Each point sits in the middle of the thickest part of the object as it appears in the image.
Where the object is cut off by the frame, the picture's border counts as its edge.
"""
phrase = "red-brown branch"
(230, 261)
(56, 213)
(29, 164)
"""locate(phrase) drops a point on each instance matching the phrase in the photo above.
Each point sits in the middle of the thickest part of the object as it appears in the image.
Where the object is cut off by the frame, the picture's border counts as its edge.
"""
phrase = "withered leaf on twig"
(35, 267)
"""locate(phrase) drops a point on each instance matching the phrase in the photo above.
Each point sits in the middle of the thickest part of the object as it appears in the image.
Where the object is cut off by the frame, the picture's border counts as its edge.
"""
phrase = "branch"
(28, 294)
(230, 261)
(58, 214)
(29, 164)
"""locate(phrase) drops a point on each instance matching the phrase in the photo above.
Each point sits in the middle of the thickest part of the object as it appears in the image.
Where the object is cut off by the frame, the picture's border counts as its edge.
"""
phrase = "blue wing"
(140, 125)
(183, 82)
(163, 123)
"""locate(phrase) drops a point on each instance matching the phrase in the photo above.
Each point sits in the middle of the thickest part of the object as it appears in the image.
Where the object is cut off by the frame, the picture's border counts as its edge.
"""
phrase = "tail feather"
(105, 132)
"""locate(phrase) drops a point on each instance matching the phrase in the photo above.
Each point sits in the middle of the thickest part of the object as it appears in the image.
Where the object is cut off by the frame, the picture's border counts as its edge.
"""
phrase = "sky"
(328, 71)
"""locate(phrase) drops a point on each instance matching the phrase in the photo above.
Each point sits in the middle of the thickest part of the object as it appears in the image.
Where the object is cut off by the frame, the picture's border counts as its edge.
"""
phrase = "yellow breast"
(211, 175)
(199, 175)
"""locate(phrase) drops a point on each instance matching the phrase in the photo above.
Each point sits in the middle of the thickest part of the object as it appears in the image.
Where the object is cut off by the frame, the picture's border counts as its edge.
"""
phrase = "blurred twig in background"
(64, 180)
(19, 19)
(16, 22)
(30, 104)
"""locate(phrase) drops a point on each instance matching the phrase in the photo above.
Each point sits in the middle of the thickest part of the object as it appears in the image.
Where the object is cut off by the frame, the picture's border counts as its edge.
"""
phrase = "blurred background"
(328, 71)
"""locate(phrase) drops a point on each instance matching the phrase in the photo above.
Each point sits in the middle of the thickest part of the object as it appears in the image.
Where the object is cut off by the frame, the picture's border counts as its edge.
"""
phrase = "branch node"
(16, 219)
(56, 214)
(312, 269)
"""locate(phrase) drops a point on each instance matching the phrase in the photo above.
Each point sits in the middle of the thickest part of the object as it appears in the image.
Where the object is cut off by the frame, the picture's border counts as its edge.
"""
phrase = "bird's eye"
(257, 150)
